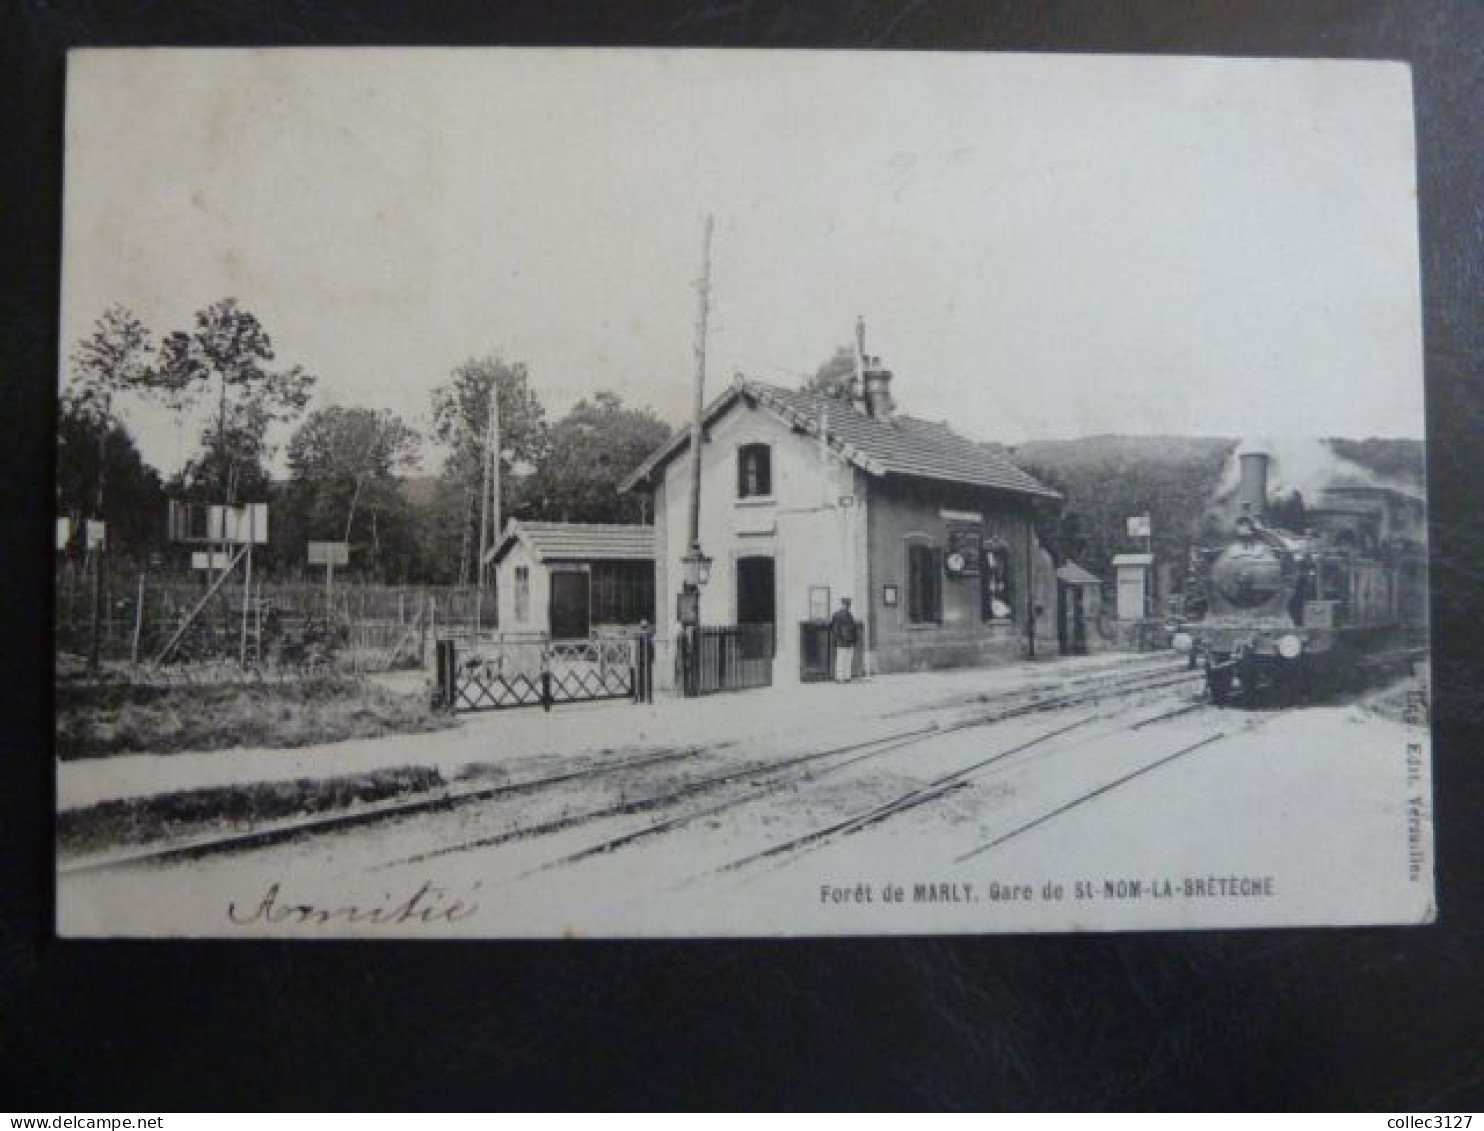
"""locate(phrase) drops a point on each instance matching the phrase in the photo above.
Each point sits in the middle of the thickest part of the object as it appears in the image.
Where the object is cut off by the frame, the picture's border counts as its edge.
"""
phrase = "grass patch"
(223, 809)
(95, 720)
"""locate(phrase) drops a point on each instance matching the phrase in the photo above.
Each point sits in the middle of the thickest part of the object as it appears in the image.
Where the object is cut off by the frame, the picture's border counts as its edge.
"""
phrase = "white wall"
(813, 539)
(540, 602)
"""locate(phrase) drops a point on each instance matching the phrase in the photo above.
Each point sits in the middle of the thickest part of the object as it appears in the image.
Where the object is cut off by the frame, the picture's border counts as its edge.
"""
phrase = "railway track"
(1108, 787)
(374, 812)
(1092, 682)
(930, 792)
(765, 779)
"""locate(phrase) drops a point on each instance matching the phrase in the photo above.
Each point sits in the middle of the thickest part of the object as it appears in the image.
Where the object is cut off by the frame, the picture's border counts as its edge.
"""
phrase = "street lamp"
(697, 571)
(697, 568)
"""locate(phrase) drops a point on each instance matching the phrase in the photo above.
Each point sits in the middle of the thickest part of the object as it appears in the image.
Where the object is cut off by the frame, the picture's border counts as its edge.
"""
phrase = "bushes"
(138, 821)
(97, 720)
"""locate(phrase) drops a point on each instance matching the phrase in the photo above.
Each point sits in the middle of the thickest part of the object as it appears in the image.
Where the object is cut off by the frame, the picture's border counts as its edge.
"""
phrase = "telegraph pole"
(697, 565)
(489, 480)
(703, 294)
(495, 469)
(97, 558)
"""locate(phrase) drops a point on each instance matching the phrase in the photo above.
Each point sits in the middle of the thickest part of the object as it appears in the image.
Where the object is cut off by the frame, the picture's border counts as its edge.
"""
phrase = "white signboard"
(64, 532)
(214, 523)
(239, 525)
(97, 533)
(1138, 526)
(214, 560)
(329, 553)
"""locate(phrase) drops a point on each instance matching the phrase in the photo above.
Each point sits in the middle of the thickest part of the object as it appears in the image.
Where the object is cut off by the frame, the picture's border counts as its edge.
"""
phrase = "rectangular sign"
(206, 522)
(965, 548)
(214, 560)
(244, 524)
(1138, 526)
(329, 553)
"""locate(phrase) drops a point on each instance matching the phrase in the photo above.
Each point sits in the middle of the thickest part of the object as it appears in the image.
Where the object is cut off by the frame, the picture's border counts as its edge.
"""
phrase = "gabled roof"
(578, 541)
(1074, 574)
(901, 445)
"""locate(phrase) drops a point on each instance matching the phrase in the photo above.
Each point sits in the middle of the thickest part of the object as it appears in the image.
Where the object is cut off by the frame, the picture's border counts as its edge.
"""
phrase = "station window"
(754, 471)
(522, 594)
(924, 584)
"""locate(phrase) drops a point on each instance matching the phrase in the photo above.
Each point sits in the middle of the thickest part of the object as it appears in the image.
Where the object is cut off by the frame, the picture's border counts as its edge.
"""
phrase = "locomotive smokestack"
(1253, 492)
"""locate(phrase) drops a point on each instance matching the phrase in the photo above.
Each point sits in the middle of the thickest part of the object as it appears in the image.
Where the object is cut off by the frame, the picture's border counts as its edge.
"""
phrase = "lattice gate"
(494, 676)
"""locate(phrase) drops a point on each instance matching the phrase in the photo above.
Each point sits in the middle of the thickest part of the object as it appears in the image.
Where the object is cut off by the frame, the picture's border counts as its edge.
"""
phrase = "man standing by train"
(844, 632)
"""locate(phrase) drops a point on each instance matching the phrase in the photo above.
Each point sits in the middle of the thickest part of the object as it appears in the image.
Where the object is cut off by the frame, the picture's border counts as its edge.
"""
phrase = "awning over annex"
(578, 541)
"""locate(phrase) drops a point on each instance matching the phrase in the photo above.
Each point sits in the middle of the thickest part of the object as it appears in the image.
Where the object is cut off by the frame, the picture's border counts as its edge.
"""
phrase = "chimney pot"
(878, 391)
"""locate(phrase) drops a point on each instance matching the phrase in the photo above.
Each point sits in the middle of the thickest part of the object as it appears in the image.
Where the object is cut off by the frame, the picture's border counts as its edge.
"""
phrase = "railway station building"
(807, 499)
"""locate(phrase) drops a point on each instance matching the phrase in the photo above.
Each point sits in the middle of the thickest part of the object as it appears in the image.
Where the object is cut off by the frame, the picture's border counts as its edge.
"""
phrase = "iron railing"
(727, 658)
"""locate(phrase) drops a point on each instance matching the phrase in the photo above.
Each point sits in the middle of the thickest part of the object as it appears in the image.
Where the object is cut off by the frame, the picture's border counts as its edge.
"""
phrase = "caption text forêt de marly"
(1228, 886)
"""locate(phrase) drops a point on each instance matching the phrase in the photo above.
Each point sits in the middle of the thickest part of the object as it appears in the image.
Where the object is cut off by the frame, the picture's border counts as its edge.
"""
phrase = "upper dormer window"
(754, 471)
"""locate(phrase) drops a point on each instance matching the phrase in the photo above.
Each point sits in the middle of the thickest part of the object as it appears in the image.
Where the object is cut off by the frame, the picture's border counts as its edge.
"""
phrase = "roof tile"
(580, 541)
(900, 445)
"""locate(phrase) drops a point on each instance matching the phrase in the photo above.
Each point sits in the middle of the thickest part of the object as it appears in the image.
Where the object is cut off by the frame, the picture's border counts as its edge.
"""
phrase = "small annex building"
(1079, 610)
(572, 580)
(807, 498)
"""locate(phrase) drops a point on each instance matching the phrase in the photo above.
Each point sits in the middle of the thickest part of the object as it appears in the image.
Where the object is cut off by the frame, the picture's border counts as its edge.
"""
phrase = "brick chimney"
(878, 390)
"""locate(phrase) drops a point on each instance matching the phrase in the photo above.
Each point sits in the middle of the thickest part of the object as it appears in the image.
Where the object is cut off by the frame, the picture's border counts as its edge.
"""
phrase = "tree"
(834, 375)
(91, 450)
(113, 360)
(230, 350)
(593, 448)
(344, 465)
(460, 421)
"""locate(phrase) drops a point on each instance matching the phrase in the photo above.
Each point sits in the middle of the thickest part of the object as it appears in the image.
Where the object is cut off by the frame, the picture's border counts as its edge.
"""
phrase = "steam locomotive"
(1275, 613)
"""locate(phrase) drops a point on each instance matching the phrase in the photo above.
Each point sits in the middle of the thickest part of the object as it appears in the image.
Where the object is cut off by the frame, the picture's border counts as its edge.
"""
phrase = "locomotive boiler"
(1276, 612)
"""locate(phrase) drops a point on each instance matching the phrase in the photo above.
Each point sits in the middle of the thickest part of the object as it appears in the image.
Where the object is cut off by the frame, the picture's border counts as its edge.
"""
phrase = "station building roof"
(881, 445)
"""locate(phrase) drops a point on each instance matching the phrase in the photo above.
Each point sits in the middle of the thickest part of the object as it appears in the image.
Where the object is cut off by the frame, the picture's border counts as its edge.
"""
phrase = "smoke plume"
(1304, 466)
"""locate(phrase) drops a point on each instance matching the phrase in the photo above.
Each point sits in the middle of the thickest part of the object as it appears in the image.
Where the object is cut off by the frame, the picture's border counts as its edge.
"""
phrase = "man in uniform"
(844, 631)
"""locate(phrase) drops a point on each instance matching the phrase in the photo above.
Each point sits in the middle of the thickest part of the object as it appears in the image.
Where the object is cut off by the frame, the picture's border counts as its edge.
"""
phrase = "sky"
(1041, 246)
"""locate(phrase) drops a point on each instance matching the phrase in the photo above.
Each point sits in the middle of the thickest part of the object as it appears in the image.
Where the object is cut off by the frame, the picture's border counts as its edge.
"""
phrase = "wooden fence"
(373, 625)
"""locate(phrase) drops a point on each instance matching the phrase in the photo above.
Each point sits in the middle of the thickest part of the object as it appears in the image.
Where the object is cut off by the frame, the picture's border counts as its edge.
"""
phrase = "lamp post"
(696, 572)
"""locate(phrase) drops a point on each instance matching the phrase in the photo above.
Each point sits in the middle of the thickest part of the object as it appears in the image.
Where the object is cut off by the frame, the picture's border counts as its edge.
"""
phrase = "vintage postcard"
(573, 493)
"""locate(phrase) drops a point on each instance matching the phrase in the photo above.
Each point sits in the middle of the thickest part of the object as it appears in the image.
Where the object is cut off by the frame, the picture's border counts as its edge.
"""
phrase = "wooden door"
(570, 607)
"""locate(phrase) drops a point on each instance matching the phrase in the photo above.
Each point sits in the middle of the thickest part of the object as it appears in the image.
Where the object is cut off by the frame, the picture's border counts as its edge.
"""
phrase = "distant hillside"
(1402, 460)
(1108, 479)
(1120, 451)
(1178, 480)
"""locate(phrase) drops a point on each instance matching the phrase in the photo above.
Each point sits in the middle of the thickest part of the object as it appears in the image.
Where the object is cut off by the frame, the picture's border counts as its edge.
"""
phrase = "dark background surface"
(1385, 1018)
